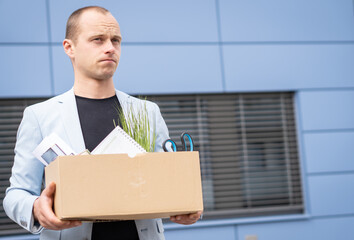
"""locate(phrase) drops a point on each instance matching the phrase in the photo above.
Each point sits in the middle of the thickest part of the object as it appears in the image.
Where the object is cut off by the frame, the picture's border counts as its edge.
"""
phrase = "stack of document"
(118, 141)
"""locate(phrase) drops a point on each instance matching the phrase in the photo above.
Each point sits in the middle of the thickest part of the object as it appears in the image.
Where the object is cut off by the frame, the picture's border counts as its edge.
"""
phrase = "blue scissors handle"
(184, 142)
(173, 145)
(187, 143)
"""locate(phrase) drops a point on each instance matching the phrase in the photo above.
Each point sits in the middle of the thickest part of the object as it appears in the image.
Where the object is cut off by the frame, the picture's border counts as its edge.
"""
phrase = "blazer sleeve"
(27, 174)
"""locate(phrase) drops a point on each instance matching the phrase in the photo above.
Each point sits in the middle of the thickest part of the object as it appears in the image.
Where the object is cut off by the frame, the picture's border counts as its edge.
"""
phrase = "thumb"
(49, 190)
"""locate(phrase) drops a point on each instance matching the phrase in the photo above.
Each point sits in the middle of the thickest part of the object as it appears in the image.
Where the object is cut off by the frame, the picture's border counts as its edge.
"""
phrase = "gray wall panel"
(25, 71)
(18, 24)
(319, 229)
(278, 20)
(327, 110)
(331, 194)
(169, 69)
(329, 151)
(287, 67)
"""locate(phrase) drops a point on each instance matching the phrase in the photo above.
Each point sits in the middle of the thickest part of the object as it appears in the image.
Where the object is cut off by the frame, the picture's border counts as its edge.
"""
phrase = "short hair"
(72, 25)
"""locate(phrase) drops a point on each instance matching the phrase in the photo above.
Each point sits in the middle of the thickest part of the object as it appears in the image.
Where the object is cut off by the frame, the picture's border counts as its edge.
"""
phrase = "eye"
(98, 39)
(116, 40)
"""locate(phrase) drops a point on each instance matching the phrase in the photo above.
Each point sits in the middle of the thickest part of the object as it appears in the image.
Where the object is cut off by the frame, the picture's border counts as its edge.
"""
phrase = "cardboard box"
(117, 187)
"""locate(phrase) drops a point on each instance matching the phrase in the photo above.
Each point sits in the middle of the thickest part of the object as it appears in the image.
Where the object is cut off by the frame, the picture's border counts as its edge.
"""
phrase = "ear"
(69, 48)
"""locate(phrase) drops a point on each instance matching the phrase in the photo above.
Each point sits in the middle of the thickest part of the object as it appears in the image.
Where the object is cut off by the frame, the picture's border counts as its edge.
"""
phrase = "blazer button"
(23, 223)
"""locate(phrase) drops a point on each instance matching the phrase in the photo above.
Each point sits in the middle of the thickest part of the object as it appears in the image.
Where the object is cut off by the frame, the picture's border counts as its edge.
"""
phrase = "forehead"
(93, 22)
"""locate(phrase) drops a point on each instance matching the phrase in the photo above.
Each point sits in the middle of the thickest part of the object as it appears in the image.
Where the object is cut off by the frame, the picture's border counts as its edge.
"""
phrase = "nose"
(109, 47)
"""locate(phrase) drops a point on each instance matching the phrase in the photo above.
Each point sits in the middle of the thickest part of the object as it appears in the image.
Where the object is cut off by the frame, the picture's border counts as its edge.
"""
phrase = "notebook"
(118, 141)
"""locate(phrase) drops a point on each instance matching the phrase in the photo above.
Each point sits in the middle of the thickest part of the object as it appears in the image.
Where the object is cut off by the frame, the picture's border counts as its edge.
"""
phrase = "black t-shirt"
(96, 119)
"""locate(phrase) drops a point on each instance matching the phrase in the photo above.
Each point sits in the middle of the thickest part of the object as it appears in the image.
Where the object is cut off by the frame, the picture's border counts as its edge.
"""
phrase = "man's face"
(97, 46)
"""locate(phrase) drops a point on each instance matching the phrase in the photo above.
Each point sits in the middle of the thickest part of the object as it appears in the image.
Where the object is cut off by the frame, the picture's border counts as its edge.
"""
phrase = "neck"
(96, 89)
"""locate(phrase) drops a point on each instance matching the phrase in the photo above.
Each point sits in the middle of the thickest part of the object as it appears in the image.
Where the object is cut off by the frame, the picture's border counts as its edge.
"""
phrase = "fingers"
(49, 190)
(50, 221)
(186, 219)
(43, 211)
(195, 215)
(54, 223)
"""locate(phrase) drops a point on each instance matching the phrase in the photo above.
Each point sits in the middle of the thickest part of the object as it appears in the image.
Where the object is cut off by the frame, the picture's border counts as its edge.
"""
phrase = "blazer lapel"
(124, 101)
(71, 121)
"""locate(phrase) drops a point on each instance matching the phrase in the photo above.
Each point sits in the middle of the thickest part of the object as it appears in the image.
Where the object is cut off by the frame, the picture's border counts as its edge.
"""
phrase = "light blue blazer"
(59, 115)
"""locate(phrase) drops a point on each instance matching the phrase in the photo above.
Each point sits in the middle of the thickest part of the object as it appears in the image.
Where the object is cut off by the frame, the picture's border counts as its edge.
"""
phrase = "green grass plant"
(137, 125)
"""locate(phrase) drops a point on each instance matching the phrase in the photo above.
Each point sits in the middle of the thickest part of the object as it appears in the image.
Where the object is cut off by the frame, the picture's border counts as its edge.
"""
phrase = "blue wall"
(218, 46)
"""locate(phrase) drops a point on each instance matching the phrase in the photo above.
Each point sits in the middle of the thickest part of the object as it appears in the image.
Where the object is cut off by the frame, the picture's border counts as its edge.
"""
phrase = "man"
(82, 117)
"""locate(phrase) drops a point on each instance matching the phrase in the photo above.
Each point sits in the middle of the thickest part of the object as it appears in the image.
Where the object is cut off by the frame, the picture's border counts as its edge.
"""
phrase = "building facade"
(219, 48)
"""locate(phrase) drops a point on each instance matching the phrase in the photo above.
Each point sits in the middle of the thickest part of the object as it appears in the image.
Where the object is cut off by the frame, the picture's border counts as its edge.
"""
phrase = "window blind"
(11, 112)
(248, 150)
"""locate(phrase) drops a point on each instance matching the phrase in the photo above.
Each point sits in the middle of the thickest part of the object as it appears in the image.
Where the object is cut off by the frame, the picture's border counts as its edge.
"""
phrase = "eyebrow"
(118, 36)
(103, 35)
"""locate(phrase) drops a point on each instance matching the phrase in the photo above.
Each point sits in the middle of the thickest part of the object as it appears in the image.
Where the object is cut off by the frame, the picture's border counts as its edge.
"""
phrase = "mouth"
(108, 60)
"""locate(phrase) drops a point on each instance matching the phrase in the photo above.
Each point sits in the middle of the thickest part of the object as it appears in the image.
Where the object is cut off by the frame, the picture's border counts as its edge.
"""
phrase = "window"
(247, 144)
(11, 111)
(248, 150)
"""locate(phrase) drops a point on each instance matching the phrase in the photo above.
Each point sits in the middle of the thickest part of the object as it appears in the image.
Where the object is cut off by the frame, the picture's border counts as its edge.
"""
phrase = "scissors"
(184, 136)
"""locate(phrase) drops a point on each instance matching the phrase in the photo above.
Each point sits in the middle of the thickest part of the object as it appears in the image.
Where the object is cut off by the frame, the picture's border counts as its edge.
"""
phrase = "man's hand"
(186, 219)
(43, 211)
